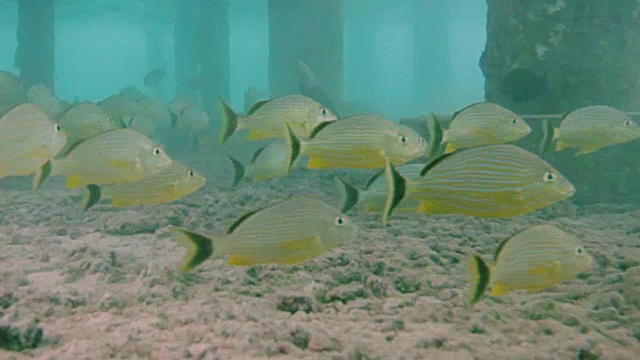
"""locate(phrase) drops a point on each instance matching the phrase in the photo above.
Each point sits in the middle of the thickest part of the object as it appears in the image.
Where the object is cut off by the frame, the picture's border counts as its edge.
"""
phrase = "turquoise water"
(104, 283)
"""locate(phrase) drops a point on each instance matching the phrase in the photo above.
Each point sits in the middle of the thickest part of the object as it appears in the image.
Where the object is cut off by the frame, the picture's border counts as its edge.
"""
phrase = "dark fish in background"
(310, 87)
(522, 85)
(155, 76)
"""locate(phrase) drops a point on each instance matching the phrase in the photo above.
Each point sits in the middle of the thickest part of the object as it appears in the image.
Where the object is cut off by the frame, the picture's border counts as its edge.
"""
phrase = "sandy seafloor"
(104, 283)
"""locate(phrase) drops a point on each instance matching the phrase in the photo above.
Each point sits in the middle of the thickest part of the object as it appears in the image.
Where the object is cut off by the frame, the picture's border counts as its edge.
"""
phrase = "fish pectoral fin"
(546, 270)
(499, 288)
(305, 244)
(561, 145)
(587, 150)
(123, 163)
(449, 148)
(74, 181)
(257, 135)
(426, 206)
(360, 159)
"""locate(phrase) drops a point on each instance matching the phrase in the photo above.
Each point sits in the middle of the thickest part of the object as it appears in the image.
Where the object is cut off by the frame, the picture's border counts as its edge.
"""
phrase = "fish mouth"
(568, 192)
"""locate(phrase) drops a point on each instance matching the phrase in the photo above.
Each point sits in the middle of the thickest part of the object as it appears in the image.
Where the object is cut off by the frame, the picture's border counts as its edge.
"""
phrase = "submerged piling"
(311, 31)
(35, 55)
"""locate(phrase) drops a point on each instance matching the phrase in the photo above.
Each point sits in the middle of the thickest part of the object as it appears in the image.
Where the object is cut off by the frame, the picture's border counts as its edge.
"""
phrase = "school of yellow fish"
(469, 168)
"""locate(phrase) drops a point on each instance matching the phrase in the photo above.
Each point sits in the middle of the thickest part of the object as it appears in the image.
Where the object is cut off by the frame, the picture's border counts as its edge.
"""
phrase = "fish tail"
(547, 136)
(351, 195)
(199, 247)
(436, 134)
(41, 175)
(229, 121)
(480, 274)
(396, 186)
(238, 171)
(92, 196)
(294, 147)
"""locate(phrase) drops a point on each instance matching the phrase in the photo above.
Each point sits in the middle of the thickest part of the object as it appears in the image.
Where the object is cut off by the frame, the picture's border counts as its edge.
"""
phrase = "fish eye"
(403, 139)
(549, 176)
(323, 111)
(340, 220)
(421, 141)
(514, 121)
(56, 128)
(156, 151)
(579, 250)
(628, 123)
(190, 173)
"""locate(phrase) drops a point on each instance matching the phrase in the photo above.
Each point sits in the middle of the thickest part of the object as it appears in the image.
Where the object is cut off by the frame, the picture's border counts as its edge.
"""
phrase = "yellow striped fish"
(121, 155)
(287, 233)
(12, 92)
(591, 128)
(536, 258)
(269, 162)
(360, 141)
(120, 108)
(374, 194)
(170, 184)
(85, 120)
(268, 118)
(482, 123)
(29, 139)
(42, 97)
(489, 181)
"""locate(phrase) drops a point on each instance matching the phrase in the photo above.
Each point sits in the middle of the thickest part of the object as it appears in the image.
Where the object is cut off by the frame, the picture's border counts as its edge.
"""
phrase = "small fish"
(153, 108)
(269, 118)
(12, 92)
(310, 86)
(374, 194)
(269, 162)
(121, 155)
(132, 92)
(119, 108)
(288, 233)
(536, 258)
(589, 129)
(29, 139)
(41, 96)
(488, 181)
(360, 141)
(86, 120)
(155, 76)
(480, 124)
(141, 123)
(170, 184)
(522, 85)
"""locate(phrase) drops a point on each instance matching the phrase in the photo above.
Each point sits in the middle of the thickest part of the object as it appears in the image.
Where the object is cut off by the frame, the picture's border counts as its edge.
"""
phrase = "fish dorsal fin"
(70, 149)
(240, 220)
(436, 161)
(455, 114)
(318, 128)
(257, 153)
(564, 116)
(372, 179)
(257, 106)
(501, 247)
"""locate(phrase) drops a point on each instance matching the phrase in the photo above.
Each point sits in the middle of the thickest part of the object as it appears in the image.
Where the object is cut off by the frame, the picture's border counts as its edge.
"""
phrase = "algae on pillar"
(587, 53)
(214, 57)
(309, 30)
(36, 42)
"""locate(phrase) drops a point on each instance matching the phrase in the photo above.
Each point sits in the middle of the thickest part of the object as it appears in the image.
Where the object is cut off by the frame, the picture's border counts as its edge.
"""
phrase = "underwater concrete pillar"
(576, 53)
(431, 65)
(35, 55)
(214, 55)
(309, 30)
(186, 46)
